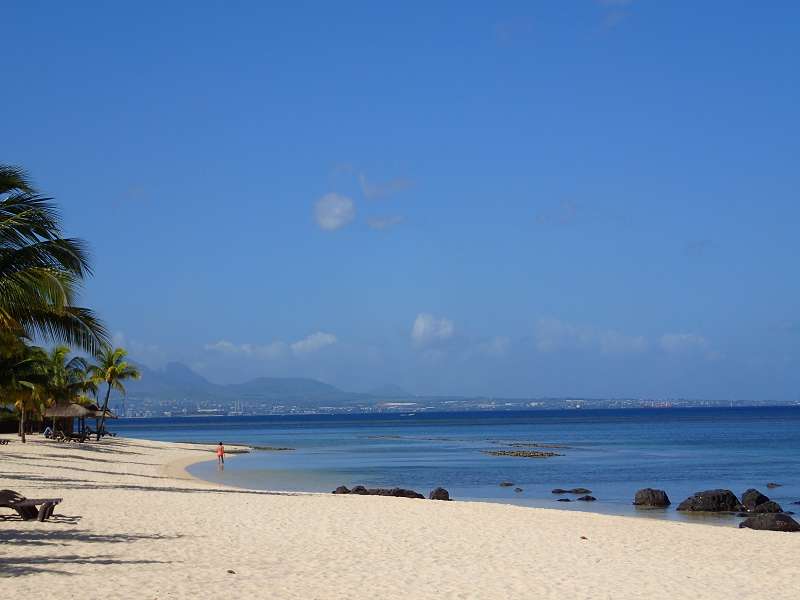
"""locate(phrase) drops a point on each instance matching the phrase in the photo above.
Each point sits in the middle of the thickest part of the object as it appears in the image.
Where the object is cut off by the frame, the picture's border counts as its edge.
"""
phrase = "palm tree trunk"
(22, 422)
(103, 416)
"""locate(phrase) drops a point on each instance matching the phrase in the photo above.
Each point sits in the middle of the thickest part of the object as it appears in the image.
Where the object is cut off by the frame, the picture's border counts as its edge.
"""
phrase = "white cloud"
(428, 329)
(333, 211)
(553, 334)
(312, 343)
(271, 351)
(373, 191)
(381, 223)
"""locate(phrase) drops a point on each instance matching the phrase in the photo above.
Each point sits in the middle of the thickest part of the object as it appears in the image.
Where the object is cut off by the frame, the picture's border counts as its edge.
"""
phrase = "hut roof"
(68, 410)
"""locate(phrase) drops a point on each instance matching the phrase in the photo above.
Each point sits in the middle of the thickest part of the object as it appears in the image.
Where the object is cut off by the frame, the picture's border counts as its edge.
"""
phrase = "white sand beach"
(134, 524)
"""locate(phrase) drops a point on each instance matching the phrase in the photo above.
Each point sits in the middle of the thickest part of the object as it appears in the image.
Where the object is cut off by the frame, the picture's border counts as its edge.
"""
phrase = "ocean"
(611, 452)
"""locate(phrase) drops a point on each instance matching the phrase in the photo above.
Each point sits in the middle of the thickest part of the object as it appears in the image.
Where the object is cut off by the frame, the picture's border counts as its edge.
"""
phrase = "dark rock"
(360, 489)
(518, 490)
(559, 491)
(711, 501)
(439, 494)
(771, 522)
(341, 490)
(767, 507)
(231, 571)
(394, 492)
(752, 498)
(772, 486)
(797, 502)
(563, 500)
(506, 484)
(587, 498)
(578, 490)
(522, 453)
(652, 498)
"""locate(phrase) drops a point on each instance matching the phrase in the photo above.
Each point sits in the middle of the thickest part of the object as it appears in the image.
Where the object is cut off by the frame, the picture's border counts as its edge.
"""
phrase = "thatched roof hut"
(66, 411)
(77, 411)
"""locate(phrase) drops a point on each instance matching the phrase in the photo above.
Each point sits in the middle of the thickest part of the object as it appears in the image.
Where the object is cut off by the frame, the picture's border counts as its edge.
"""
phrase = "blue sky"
(594, 198)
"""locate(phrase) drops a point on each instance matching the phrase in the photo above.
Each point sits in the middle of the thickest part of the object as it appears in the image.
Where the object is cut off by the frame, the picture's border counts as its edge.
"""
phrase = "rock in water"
(587, 498)
(772, 486)
(506, 484)
(563, 500)
(711, 501)
(518, 490)
(559, 491)
(649, 497)
(576, 491)
(752, 498)
(770, 522)
(360, 489)
(439, 494)
(767, 507)
(341, 490)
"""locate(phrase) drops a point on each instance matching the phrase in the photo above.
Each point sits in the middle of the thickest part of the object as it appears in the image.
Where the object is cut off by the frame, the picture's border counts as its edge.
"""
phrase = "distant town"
(177, 391)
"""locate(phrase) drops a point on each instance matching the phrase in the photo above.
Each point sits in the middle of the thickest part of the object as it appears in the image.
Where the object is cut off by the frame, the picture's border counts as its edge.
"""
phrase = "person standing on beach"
(221, 454)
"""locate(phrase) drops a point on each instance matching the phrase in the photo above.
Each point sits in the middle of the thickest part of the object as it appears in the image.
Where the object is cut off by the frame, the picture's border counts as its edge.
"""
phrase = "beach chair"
(28, 509)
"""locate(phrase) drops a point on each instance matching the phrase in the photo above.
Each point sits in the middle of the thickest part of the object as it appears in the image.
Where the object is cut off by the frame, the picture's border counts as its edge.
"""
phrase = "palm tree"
(40, 270)
(22, 377)
(112, 369)
(67, 380)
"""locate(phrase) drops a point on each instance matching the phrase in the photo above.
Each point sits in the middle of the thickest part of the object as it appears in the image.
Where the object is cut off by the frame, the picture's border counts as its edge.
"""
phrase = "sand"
(134, 524)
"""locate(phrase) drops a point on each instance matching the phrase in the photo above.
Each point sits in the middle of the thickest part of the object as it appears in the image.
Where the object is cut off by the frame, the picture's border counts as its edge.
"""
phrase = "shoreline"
(133, 515)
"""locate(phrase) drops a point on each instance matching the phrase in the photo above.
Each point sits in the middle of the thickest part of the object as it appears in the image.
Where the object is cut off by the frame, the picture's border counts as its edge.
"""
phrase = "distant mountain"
(176, 381)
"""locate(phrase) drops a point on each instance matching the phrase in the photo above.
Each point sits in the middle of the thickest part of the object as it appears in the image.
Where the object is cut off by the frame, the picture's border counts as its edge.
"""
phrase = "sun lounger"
(26, 507)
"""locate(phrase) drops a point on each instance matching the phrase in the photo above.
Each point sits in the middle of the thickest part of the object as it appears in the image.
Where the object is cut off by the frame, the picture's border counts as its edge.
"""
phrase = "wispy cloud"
(508, 31)
(552, 335)
(312, 343)
(272, 351)
(149, 354)
(382, 223)
(615, 12)
(373, 191)
(565, 213)
(675, 343)
(429, 330)
(333, 211)
(277, 349)
(697, 248)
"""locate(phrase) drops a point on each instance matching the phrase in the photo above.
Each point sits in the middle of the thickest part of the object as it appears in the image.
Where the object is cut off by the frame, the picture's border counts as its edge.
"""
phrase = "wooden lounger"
(27, 507)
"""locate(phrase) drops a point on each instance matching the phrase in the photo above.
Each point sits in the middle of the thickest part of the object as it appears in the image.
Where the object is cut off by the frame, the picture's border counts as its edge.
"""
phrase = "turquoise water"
(611, 452)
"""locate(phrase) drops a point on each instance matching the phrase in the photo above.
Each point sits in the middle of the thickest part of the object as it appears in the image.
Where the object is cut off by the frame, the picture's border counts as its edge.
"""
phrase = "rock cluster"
(395, 492)
(578, 490)
(438, 493)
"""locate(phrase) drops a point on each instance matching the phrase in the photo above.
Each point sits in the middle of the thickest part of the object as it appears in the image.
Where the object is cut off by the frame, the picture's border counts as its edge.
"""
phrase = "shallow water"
(611, 452)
